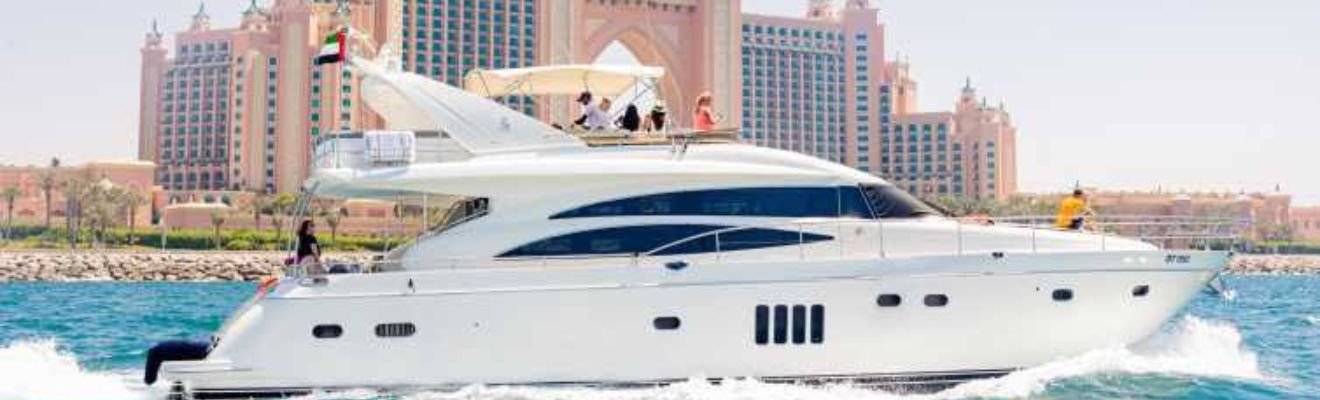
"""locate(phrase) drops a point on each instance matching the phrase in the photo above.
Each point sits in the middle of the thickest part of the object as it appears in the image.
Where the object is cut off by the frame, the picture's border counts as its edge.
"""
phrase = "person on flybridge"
(1073, 211)
(594, 116)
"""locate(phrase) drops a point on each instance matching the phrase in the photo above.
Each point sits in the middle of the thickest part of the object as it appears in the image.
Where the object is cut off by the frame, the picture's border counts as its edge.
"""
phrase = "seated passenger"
(655, 120)
(585, 100)
(631, 119)
(598, 116)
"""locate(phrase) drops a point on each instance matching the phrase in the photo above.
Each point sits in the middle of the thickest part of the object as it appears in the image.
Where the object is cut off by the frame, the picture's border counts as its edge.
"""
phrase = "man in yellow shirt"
(1073, 211)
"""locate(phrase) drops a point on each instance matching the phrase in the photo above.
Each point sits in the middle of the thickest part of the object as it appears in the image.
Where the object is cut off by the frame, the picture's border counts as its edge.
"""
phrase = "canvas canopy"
(568, 80)
(411, 102)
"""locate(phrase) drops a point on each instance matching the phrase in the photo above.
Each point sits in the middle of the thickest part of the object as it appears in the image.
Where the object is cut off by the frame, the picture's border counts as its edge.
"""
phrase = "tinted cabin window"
(817, 323)
(799, 324)
(887, 201)
(781, 324)
(762, 324)
(852, 204)
(618, 240)
(646, 238)
(747, 239)
(756, 202)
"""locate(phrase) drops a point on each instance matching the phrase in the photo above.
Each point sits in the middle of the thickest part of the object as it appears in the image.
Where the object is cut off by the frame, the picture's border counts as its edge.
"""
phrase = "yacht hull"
(956, 318)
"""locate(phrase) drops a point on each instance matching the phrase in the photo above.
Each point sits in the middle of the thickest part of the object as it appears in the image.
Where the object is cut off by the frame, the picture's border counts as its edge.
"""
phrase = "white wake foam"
(39, 370)
(1191, 346)
(1314, 320)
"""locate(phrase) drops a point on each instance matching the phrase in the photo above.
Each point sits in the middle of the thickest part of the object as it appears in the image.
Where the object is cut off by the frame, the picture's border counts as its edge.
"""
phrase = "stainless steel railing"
(872, 240)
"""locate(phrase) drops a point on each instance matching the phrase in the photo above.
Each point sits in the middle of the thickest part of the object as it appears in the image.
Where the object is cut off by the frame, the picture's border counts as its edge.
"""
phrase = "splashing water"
(1192, 346)
(39, 370)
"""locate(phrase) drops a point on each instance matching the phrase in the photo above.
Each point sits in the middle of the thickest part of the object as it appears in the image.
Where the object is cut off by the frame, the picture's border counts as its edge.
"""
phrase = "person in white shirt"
(598, 116)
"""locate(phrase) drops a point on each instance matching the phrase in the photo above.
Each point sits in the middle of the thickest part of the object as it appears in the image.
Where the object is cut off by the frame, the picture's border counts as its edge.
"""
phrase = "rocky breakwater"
(145, 266)
(1275, 264)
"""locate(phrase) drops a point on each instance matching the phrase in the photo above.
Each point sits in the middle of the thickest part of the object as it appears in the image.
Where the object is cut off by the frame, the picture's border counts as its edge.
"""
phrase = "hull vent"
(396, 330)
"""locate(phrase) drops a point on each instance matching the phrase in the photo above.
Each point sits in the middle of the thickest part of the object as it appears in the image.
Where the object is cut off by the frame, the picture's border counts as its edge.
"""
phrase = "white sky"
(1117, 94)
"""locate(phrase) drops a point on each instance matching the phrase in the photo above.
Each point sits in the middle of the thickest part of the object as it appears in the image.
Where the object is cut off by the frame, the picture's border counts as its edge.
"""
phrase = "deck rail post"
(960, 236)
(802, 250)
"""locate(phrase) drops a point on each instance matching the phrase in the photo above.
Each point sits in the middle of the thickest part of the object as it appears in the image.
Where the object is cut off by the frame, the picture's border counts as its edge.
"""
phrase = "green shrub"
(238, 244)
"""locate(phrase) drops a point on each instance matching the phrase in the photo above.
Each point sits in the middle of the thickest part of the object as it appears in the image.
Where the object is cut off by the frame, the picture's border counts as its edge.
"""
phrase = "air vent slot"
(395, 330)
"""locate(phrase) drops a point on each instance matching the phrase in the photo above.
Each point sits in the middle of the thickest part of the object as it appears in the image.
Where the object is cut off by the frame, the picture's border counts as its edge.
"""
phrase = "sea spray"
(1191, 346)
(39, 370)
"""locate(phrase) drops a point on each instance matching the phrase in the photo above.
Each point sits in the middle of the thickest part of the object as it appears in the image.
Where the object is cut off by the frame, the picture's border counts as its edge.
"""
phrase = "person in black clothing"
(631, 120)
(309, 251)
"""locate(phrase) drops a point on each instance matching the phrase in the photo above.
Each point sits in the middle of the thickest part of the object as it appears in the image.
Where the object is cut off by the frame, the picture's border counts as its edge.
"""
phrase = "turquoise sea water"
(69, 341)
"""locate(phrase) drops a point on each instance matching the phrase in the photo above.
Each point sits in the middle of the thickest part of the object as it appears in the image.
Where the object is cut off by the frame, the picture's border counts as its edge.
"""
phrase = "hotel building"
(238, 108)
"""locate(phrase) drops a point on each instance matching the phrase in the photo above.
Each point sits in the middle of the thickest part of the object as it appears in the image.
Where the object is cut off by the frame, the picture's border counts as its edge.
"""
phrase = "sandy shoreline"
(62, 265)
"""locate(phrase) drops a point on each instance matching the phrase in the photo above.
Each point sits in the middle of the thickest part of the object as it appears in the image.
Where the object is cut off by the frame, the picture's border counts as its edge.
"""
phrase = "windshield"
(887, 201)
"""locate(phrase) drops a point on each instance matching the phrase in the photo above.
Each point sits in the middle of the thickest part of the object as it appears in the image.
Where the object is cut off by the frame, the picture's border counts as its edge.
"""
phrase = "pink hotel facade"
(237, 108)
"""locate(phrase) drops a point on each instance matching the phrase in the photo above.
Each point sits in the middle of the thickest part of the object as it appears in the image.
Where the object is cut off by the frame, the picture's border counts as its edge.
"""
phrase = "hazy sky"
(1117, 94)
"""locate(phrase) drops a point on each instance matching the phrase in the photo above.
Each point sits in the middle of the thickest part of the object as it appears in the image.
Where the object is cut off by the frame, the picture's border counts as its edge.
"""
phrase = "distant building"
(1305, 223)
(30, 207)
(237, 108)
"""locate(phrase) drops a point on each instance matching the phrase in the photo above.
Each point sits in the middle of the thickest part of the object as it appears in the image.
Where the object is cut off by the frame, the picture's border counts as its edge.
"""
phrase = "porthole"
(398, 329)
(936, 300)
(327, 331)
(889, 300)
(1062, 294)
(1140, 291)
(666, 323)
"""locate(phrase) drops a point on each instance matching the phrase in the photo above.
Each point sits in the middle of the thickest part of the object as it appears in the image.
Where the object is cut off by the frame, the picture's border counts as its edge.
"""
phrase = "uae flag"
(334, 49)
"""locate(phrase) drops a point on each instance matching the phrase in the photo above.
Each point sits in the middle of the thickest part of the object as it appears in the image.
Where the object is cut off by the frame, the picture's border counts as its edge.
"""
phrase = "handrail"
(398, 251)
(717, 232)
(878, 238)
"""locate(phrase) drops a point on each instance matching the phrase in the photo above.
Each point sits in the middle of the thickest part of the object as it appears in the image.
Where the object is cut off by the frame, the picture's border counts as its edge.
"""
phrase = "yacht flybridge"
(655, 259)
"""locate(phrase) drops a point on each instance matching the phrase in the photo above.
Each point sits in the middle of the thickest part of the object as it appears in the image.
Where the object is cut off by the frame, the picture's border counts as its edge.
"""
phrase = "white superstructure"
(654, 263)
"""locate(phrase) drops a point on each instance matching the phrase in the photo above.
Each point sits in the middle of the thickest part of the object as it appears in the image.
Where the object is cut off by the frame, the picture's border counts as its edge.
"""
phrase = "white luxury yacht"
(646, 261)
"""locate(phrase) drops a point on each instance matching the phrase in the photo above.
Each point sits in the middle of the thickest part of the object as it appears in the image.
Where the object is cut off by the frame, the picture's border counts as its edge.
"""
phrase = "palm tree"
(280, 207)
(48, 182)
(258, 206)
(332, 220)
(217, 220)
(132, 200)
(102, 206)
(11, 195)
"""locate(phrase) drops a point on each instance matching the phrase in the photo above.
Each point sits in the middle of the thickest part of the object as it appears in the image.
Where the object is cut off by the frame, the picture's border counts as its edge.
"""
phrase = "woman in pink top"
(703, 118)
